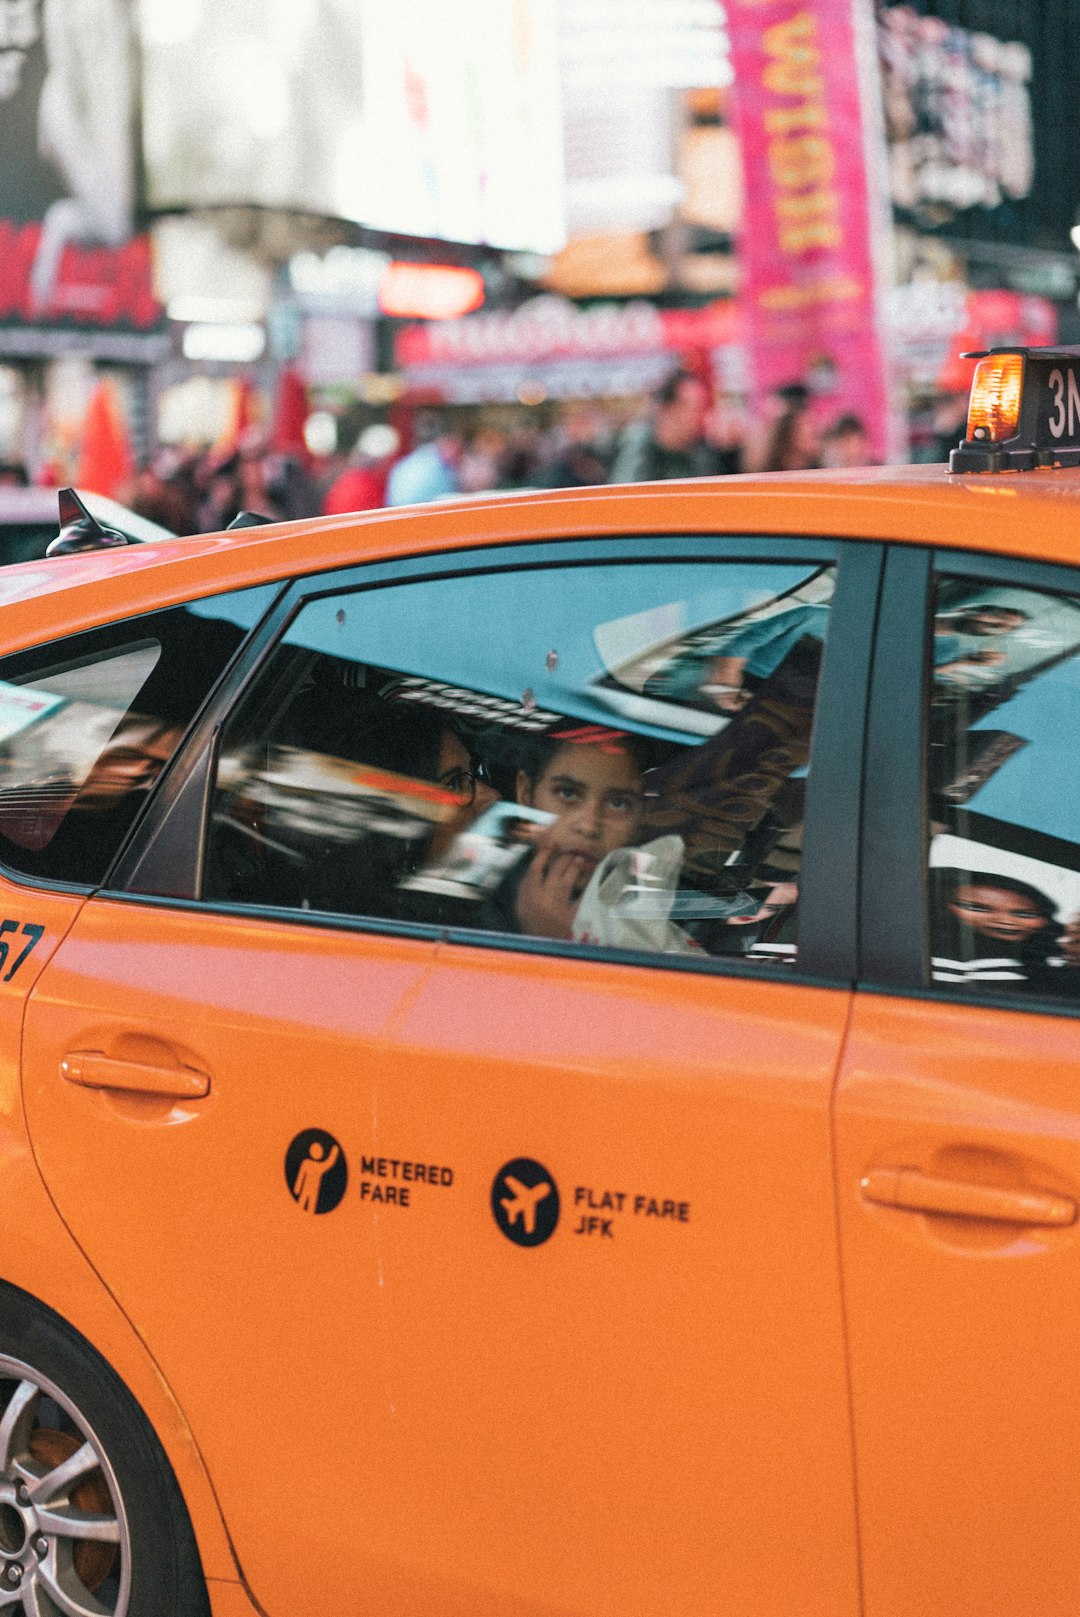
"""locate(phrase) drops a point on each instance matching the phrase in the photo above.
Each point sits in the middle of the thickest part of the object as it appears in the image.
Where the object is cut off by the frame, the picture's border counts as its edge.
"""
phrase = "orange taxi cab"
(539, 1056)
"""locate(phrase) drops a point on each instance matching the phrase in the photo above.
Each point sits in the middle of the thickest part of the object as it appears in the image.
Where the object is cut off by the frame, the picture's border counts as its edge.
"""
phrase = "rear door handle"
(918, 1192)
(93, 1070)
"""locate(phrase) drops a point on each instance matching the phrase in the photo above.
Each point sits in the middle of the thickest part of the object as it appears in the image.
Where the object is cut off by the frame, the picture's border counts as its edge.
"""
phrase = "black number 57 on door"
(26, 930)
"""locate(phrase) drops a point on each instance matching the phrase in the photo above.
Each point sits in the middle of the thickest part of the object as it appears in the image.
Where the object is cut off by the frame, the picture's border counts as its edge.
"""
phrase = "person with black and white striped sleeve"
(989, 929)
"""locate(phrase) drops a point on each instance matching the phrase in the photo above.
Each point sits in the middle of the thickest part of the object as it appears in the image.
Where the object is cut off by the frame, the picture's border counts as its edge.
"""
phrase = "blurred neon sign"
(430, 291)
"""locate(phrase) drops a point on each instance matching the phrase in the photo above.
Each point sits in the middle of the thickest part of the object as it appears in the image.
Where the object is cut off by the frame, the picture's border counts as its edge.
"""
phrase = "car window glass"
(612, 756)
(87, 724)
(1003, 767)
(25, 541)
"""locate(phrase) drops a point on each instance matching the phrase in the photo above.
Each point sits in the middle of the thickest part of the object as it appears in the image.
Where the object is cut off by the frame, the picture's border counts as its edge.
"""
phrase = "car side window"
(612, 756)
(88, 723)
(1003, 776)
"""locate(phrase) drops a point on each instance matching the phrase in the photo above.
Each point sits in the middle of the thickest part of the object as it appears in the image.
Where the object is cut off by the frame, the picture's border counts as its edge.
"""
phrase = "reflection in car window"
(88, 723)
(1004, 759)
(612, 756)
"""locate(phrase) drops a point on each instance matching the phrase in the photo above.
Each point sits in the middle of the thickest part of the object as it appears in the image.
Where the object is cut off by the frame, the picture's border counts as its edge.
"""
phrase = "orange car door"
(494, 1275)
(958, 1126)
(68, 737)
(32, 923)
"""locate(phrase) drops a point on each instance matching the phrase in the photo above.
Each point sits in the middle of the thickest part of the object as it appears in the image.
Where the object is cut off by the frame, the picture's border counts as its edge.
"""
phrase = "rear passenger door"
(493, 952)
(958, 1116)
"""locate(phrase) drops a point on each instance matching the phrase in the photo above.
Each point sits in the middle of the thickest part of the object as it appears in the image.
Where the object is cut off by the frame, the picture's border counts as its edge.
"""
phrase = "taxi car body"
(539, 1058)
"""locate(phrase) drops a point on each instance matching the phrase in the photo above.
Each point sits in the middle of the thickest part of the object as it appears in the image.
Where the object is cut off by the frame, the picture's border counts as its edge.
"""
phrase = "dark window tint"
(1004, 782)
(88, 723)
(25, 541)
(613, 756)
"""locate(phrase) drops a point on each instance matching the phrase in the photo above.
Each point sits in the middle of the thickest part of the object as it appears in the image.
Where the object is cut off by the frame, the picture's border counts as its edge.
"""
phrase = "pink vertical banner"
(807, 261)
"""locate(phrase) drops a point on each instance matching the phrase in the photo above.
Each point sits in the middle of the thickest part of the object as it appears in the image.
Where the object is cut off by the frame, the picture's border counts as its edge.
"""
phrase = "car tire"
(91, 1517)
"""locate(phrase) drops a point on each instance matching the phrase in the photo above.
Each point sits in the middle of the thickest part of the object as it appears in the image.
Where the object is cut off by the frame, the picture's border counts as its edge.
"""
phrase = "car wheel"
(92, 1523)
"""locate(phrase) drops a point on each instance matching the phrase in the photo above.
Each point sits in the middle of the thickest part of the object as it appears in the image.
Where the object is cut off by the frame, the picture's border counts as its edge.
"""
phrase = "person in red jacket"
(362, 485)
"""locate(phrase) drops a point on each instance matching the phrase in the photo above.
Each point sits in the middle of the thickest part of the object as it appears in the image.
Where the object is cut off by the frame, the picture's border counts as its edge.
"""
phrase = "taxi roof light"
(996, 392)
(1024, 411)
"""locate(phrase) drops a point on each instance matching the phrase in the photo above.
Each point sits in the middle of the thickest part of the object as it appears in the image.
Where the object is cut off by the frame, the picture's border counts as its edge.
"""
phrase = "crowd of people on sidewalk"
(684, 430)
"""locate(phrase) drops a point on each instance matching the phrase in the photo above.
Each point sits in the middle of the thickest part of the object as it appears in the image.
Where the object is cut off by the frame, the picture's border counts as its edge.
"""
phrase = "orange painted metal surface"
(37, 1251)
(962, 1326)
(1030, 514)
(230, 1599)
(647, 1412)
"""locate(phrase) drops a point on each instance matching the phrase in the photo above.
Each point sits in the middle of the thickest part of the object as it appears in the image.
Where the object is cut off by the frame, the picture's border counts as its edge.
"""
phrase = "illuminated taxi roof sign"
(1024, 411)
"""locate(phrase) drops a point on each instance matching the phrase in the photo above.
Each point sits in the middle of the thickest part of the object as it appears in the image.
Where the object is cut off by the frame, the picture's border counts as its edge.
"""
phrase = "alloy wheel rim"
(65, 1544)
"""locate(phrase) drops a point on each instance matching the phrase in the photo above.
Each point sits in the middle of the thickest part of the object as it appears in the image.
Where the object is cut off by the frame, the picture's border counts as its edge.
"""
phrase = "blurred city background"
(294, 256)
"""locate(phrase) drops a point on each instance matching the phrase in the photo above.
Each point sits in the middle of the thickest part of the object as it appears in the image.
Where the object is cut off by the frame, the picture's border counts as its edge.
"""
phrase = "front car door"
(468, 1028)
(958, 1115)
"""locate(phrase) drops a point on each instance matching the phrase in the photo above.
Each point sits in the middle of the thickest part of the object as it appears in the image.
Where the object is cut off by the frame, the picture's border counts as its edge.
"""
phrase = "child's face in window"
(995, 912)
(594, 792)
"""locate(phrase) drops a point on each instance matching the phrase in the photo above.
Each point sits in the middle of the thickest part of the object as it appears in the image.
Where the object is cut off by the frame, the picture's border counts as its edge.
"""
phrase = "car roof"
(1029, 514)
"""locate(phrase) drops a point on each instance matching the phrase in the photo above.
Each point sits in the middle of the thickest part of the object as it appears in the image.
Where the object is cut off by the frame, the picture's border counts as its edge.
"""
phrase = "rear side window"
(88, 723)
(25, 541)
(1003, 775)
(613, 756)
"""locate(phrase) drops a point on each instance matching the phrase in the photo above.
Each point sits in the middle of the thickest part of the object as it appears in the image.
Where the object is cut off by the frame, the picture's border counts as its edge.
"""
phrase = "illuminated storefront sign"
(430, 291)
(552, 348)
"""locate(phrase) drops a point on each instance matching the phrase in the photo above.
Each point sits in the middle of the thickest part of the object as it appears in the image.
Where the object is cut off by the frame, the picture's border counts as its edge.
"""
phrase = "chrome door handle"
(93, 1070)
(918, 1192)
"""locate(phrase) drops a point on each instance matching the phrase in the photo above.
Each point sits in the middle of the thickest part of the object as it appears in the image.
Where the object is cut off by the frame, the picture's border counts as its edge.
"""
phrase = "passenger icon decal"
(525, 1202)
(316, 1171)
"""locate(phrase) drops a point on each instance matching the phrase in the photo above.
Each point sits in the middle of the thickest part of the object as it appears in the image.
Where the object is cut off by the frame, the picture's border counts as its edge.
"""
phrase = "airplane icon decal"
(522, 1204)
(525, 1202)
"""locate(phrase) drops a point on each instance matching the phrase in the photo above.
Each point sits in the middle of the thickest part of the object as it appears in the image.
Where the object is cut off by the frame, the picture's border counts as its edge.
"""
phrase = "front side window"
(1003, 776)
(88, 723)
(613, 756)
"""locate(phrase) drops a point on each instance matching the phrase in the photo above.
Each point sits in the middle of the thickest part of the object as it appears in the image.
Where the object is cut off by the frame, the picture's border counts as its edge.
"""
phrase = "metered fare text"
(392, 1180)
